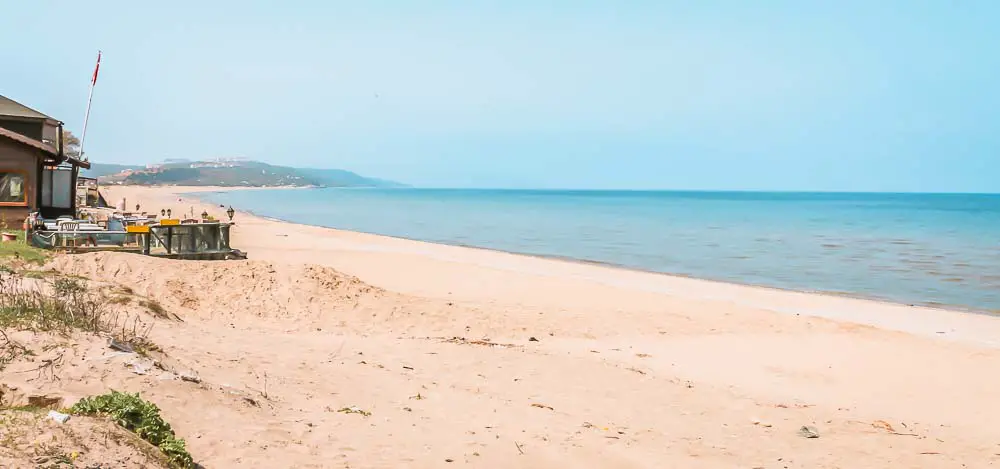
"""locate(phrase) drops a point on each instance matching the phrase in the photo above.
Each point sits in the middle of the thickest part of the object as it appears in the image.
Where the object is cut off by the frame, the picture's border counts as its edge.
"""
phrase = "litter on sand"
(58, 416)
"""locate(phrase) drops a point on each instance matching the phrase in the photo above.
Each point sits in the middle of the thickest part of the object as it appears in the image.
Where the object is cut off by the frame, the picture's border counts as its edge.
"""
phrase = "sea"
(926, 249)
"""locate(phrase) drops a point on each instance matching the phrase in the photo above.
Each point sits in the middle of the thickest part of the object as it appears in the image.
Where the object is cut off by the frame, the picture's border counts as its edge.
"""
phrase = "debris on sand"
(541, 406)
(355, 410)
(883, 425)
(58, 416)
(761, 423)
(808, 431)
(482, 342)
(120, 346)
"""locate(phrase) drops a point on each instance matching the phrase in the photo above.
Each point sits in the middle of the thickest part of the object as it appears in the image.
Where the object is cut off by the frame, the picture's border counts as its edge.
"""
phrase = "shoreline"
(611, 265)
(966, 309)
(507, 360)
(929, 321)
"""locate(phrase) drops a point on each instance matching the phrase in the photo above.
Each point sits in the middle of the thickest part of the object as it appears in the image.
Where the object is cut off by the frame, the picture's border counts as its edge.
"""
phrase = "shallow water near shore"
(929, 249)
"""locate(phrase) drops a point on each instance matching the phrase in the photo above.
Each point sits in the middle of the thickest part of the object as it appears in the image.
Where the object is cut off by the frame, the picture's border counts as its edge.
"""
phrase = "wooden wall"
(25, 160)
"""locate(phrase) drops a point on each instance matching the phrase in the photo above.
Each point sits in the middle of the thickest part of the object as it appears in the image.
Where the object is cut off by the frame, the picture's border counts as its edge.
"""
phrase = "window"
(13, 189)
(57, 187)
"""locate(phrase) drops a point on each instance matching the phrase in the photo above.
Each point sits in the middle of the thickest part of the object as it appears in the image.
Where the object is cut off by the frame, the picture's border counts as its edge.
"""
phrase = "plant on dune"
(65, 307)
(140, 416)
(67, 287)
(154, 307)
(120, 300)
(9, 351)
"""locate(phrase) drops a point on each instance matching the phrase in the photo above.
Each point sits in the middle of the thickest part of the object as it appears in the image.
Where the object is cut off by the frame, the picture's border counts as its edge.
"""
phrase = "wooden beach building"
(41, 190)
(35, 173)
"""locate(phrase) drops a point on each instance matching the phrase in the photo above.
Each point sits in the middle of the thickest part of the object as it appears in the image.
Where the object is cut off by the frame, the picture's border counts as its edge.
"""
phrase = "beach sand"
(475, 358)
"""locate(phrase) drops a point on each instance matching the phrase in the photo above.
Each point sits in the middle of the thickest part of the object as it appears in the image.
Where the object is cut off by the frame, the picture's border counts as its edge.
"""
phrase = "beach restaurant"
(35, 173)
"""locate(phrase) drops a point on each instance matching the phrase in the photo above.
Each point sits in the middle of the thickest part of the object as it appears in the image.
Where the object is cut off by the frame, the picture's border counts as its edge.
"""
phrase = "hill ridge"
(229, 173)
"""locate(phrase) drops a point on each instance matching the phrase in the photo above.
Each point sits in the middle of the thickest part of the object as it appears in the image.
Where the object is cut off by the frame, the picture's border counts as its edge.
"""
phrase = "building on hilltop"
(35, 173)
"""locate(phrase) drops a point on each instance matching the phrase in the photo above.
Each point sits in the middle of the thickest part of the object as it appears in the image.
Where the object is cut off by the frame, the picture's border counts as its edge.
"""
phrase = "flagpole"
(90, 98)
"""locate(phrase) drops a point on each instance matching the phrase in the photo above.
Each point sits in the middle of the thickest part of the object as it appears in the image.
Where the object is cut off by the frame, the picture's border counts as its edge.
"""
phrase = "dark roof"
(29, 141)
(48, 149)
(9, 107)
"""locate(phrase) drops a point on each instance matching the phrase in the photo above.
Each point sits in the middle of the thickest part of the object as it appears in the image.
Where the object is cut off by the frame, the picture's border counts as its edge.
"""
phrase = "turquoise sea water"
(936, 249)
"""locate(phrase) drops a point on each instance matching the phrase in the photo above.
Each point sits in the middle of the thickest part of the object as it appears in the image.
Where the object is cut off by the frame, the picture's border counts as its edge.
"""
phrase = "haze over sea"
(930, 249)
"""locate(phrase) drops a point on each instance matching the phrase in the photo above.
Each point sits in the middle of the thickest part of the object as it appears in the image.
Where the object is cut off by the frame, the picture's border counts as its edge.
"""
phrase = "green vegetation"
(182, 176)
(60, 311)
(71, 144)
(65, 307)
(236, 173)
(36, 274)
(22, 250)
(67, 286)
(98, 170)
(140, 416)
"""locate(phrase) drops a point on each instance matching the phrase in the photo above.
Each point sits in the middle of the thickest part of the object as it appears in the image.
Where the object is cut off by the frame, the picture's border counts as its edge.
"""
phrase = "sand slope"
(238, 290)
(31, 440)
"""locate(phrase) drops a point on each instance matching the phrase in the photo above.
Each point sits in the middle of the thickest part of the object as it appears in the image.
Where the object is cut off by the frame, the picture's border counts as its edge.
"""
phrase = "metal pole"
(90, 98)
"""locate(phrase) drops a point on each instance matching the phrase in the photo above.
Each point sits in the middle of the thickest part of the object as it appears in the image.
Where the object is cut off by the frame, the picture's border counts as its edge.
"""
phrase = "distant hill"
(101, 169)
(343, 178)
(229, 173)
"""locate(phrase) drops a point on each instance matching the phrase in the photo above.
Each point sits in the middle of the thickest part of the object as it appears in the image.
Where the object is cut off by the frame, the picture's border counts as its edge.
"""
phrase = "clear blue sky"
(788, 95)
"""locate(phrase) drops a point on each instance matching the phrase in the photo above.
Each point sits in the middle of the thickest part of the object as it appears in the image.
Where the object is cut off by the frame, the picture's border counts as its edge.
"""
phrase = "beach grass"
(65, 306)
(20, 249)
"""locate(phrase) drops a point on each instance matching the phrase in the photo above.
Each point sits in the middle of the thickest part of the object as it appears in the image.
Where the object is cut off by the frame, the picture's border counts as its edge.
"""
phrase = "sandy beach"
(475, 358)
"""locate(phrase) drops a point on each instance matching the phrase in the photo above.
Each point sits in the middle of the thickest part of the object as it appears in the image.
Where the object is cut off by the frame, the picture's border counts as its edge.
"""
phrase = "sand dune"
(233, 290)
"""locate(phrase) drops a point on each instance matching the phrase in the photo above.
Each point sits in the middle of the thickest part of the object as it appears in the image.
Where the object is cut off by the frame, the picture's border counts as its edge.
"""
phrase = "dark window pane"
(12, 188)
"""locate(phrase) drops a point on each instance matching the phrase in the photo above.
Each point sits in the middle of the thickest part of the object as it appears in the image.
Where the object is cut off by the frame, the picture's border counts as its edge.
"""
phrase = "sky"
(890, 95)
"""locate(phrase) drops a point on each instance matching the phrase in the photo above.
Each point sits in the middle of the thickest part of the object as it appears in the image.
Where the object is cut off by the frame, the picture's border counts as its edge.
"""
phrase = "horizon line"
(748, 191)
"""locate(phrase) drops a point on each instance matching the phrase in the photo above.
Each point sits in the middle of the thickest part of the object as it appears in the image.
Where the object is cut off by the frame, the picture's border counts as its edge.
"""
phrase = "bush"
(140, 416)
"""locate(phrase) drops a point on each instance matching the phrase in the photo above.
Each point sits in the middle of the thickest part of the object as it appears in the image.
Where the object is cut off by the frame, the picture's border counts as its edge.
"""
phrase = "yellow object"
(137, 229)
(170, 222)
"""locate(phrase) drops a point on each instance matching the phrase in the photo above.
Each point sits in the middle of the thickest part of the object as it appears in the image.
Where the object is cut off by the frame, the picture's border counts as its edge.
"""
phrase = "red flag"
(93, 81)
